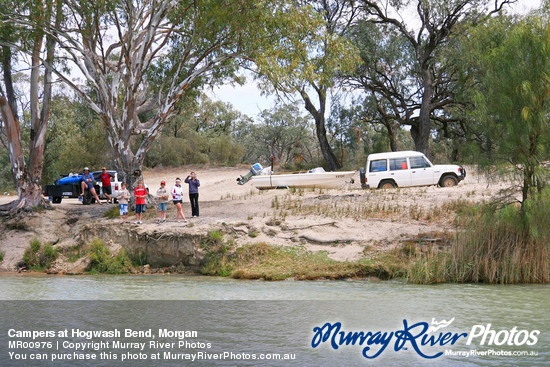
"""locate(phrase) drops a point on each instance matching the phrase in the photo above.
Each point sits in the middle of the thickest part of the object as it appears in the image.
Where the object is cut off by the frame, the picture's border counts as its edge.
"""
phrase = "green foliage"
(263, 261)
(75, 139)
(38, 257)
(506, 245)
(2, 254)
(284, 133)
(112, 213)
(202, 133)
(509, 63)
(102, 261)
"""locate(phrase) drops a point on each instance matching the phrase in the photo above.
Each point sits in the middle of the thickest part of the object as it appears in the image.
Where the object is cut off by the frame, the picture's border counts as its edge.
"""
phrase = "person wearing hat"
(106, 183)
(162, 197)
(177, 197)
(88, 183)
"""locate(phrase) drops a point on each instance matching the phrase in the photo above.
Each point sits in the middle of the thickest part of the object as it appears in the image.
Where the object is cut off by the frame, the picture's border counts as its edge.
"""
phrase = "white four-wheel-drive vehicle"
(408, 168)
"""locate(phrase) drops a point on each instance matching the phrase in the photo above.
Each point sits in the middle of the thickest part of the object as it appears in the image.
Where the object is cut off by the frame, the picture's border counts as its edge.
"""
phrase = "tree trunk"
(28, 183)
(392, 136)
(328, 154)
(17, 159)
(420, 132)
(28, 179)
(319, 117)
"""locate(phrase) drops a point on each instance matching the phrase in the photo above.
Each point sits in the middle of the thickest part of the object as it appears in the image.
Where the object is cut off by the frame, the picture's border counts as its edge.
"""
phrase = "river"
(249, 318)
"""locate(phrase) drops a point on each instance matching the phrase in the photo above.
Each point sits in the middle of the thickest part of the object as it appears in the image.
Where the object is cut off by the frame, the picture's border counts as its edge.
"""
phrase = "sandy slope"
(342, 222)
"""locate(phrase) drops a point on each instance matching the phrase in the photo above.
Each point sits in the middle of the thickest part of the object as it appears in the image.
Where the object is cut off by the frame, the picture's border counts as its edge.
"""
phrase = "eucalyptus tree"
(141, 57)
(32, 40)
(425, 95)
(310, 63)
(387, 78)
(510, 64)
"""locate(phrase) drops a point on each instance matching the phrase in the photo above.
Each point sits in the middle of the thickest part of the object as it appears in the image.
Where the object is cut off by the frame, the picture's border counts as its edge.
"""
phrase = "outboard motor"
(363, 178)
(254, 170)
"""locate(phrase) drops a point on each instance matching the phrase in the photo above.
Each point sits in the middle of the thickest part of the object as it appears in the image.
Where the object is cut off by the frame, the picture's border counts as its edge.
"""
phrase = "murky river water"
(256, 317)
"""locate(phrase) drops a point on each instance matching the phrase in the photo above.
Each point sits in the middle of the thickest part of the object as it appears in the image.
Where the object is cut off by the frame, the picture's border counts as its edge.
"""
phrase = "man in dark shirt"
(88, 182)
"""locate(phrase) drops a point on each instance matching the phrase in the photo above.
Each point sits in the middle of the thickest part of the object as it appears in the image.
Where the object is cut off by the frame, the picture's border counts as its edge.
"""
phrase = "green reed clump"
(498, 245)
(102, 261)
(217, 260)
(39, 257)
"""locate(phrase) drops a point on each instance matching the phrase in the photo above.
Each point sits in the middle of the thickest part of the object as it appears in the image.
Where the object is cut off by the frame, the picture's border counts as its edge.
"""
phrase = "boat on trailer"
(264, 179)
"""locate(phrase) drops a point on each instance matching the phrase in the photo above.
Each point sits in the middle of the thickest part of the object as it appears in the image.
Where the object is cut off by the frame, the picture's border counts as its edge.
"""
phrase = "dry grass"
(365, 207)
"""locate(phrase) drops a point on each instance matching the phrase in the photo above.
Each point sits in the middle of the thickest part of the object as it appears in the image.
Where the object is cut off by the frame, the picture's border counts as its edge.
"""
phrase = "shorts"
(163, 207)
(140, 208)
(178, 202)
(107, 190)
(123, 209)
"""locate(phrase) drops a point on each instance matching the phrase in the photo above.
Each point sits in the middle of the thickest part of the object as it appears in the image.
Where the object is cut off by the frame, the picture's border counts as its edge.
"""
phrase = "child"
(140, 192)
(123, 196)
(177, 196)
(162, 196)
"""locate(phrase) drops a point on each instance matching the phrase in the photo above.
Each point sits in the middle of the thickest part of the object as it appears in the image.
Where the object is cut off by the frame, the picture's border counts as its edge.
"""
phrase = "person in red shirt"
(140, 192)
(106, 183)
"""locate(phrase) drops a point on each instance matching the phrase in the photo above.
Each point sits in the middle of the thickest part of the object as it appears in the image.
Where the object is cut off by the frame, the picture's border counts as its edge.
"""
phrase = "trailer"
(69, 187)
(57, 192)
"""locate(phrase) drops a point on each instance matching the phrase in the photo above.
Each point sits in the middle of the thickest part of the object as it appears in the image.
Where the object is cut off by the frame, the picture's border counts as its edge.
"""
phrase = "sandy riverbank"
(347, 223)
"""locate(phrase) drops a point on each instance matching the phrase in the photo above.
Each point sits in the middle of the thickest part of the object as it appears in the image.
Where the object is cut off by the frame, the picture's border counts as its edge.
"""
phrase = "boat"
(315, 178)
(72, 178)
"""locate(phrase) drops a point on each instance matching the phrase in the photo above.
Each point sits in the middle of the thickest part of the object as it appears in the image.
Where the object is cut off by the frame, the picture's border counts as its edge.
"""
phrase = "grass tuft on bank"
(103, 262)
(263, 261)
(38, 256)
(498, 246)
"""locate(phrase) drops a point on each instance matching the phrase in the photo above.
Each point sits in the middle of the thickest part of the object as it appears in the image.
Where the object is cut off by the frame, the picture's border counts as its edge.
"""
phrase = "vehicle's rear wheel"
(56, 199)
(88, 197)
(387, 185)
(448, 181)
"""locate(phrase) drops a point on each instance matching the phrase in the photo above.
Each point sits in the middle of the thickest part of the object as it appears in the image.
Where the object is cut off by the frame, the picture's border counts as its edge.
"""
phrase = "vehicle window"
(378, 166)
(418, 162)
(397, 164)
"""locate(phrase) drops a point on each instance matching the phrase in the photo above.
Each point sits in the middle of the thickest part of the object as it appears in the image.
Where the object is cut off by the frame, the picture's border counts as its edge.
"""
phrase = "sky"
(248, 99)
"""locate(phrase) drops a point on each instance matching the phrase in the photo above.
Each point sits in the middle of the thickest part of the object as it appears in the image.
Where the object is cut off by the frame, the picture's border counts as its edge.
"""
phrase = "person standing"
(177, 197)
(106, 184)
(123, 196)
(162, 197)
(88, 183)
(140, 192)
(194, 184)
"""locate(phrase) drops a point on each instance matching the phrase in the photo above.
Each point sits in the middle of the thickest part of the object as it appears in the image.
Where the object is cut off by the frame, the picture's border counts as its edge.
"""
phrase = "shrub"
(506, 245)
(39, 257)
(103, 262)
(2, 254)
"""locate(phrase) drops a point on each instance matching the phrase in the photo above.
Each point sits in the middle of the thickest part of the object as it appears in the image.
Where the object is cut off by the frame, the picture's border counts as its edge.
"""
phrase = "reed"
(506, 245)
(39, 257)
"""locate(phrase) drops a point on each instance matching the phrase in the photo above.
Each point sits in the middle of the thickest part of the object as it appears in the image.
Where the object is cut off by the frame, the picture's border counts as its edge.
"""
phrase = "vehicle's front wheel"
(387, 185)
(448, 181)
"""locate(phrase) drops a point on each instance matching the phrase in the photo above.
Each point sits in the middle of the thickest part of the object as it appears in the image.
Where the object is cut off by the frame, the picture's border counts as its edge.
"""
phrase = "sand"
(348, 223)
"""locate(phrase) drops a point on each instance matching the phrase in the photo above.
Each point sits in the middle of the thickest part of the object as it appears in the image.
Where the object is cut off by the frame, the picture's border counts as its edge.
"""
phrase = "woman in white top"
(177, 196)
